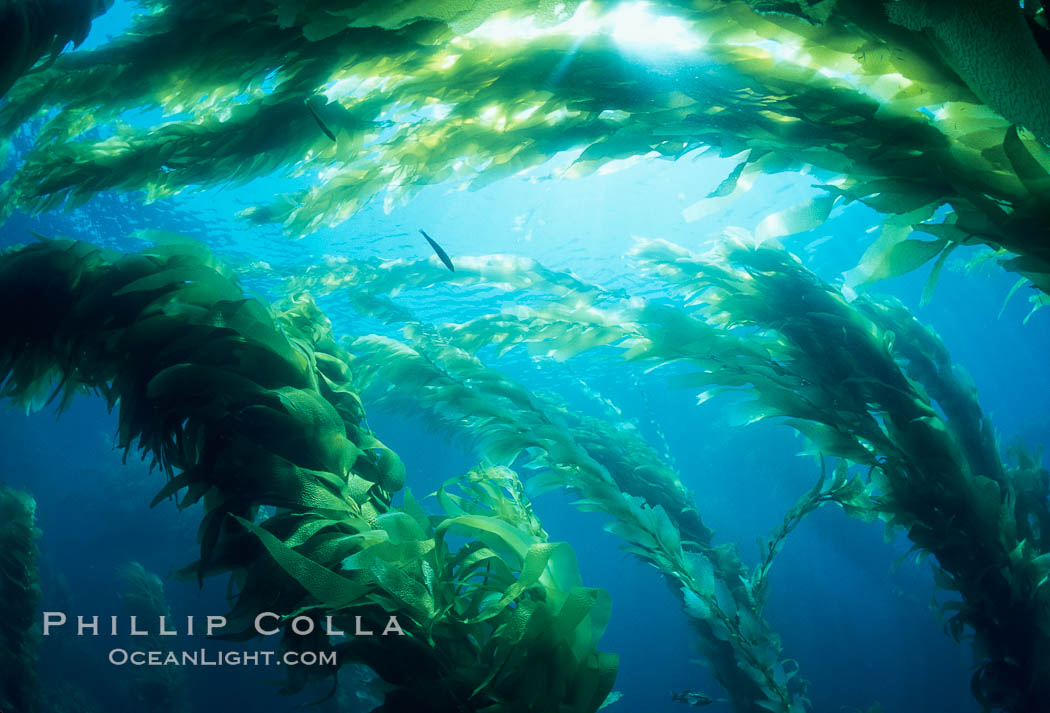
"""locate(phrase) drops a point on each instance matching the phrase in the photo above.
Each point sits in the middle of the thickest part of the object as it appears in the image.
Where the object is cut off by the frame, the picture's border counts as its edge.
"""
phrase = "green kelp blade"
(394, 576)
(935, 275)
(797, 219)
(536, 562)
(1013, 290)
(899, 258)
(332, 590)
(1032, 173)
(497, 534)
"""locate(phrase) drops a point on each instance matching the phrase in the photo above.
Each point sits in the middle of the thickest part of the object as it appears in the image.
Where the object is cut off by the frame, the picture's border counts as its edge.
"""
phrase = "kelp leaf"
(493, 531)
(728, 185)
(935, 275)
(1029, 170)
(903, 257)
(797, 219)
(1013, 290)
(329, 588)
(536, 561)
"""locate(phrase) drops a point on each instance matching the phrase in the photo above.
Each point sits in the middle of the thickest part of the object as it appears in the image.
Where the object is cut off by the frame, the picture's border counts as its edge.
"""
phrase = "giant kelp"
(997, 48)
(837, 379)
(882, 97)
(241, 409)
(614, 472)
(499, 623)
(863, 381)
(752, 318)
(19, 598)
(172, 338)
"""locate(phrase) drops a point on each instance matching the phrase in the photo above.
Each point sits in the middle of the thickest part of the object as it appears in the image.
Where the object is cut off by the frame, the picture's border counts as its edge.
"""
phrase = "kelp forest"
(246, 380)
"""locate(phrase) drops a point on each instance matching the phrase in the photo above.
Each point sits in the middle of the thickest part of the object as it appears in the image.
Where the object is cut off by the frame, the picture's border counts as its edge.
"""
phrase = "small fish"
(317, 118)
(692, 698)
(440, 253)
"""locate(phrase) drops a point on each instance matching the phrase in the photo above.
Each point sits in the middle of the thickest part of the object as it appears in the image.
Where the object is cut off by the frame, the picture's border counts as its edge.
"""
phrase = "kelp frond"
(613, 472)
(242, 408)
(500, 623)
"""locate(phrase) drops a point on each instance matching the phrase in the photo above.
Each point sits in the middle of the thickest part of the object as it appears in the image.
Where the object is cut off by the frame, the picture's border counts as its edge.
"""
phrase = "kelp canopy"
(909, 106)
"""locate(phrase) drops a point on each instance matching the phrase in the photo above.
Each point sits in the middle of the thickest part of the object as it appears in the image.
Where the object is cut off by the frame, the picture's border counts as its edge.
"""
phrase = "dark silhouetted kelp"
(35, 30)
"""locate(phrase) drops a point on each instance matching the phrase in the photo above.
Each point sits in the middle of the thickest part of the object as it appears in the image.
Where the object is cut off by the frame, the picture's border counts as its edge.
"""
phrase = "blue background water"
(860, 632)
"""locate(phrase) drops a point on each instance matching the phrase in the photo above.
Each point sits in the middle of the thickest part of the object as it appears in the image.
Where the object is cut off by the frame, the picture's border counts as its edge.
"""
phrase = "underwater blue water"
(862, 630)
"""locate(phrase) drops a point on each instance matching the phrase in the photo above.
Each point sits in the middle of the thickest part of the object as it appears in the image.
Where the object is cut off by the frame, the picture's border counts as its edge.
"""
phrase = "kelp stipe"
(19, 600)
(160, 689)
